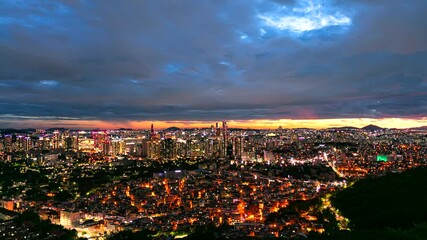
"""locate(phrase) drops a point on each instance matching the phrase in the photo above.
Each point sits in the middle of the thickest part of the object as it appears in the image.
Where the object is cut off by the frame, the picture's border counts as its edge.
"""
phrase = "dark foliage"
(392, 201)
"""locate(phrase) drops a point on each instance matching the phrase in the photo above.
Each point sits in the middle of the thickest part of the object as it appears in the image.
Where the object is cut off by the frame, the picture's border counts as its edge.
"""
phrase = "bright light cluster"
(309, 16)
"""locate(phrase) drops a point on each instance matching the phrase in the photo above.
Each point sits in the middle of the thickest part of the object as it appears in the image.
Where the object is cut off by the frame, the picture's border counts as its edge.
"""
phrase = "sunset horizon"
(396, 123)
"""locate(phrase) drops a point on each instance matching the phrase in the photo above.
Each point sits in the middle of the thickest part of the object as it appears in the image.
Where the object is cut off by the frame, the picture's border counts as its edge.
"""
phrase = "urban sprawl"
(99, 182)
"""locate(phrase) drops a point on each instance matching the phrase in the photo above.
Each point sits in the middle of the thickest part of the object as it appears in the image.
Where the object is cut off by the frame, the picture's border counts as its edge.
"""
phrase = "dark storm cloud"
(202, 60)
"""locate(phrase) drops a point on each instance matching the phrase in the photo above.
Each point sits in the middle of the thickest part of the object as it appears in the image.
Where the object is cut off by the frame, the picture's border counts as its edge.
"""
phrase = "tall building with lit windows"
(153, 149)
(100, 140)
(168, 148)
(237, 146)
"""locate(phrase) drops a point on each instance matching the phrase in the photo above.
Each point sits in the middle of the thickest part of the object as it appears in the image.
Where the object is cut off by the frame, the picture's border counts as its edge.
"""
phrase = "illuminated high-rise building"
(168, 149)
(100, 140)
(152, 133)
(224, 139)
(118, 147)
(238, 147)
(153, 149)
(224, 129)
(71, 142)
(218, 130)
(56, 140)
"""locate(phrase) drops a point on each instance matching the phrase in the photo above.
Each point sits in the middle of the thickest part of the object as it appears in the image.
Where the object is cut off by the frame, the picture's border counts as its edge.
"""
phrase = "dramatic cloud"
(204, 60)
(311, 15)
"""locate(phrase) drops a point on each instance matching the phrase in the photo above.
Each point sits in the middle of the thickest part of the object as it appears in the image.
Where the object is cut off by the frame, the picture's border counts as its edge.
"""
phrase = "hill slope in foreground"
(389, 207)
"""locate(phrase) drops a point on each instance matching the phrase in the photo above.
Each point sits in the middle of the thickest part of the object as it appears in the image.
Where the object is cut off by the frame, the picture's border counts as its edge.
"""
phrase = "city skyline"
(256, 64)
(394, 123)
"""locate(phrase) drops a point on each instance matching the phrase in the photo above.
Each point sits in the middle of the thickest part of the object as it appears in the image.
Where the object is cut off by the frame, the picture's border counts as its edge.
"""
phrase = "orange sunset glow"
(401, 123)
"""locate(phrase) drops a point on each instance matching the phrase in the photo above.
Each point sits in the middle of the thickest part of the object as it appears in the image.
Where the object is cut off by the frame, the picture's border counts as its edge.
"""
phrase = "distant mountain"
(372, 128)
(14, 131)
(172, 129)
(61, 129)
(344, 128)
(242, 129)
(419, 128)
(29, 130)
(306, 129)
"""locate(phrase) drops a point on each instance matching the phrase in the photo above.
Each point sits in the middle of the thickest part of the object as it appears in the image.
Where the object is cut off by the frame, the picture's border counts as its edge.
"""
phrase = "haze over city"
(257, 63)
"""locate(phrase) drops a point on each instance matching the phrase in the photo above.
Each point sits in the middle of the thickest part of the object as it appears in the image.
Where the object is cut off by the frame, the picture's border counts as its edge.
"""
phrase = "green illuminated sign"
(381, 158)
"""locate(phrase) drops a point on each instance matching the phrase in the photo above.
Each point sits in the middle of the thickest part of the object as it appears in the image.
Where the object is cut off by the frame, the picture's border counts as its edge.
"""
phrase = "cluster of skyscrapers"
(172, 143)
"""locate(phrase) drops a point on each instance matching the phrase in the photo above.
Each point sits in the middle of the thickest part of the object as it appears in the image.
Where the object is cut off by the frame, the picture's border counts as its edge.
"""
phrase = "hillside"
(389, 207)
(371, 128)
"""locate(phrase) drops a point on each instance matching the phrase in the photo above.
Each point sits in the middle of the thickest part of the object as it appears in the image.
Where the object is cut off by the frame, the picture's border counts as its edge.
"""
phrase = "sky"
(189, 63)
